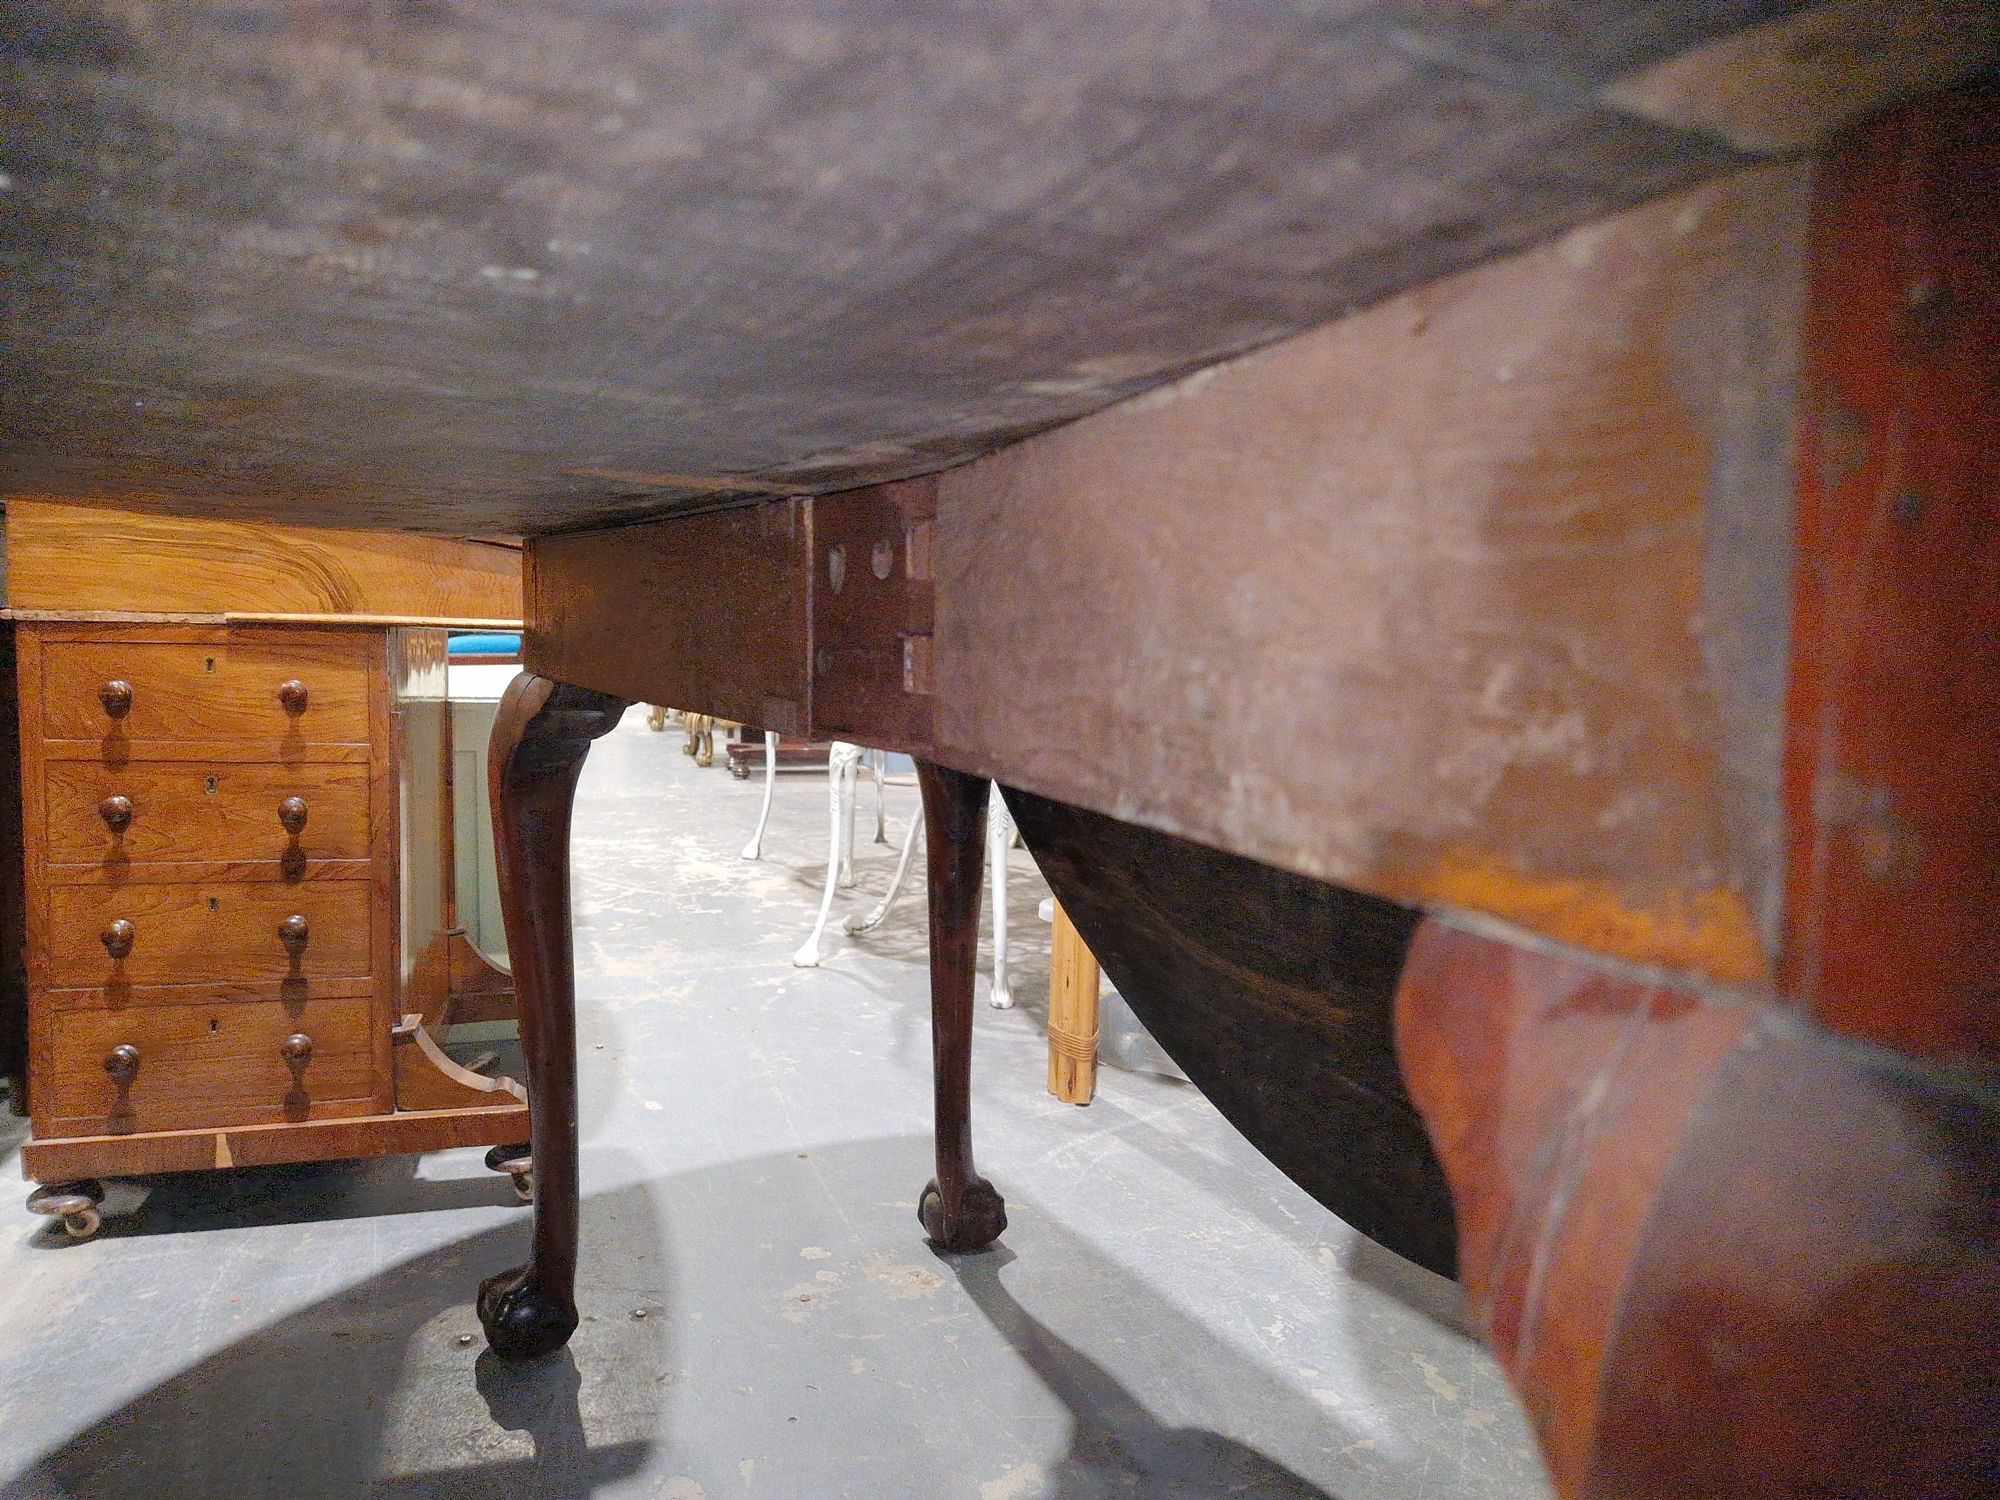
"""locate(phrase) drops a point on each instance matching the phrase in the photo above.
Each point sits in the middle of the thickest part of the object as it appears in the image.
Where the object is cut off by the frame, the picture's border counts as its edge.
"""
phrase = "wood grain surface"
(209, 1065)
(711, 611)
(1497, 569)
(1512, 624)
(195, 811)
(1892, 760)
(1719, 1249)
(77, 558)
(210, 930)
(209, 686)
(360, 1136)
(504, 269)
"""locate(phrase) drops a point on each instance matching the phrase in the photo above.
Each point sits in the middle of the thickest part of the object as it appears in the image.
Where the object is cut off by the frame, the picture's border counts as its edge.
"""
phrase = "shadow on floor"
(297, 1193)
(378, 1392)
(385, 1390)
(1117, 1446)
(1163, 1409)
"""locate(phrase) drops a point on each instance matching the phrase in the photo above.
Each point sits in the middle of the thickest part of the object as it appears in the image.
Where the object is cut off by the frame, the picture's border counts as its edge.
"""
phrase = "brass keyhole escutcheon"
(215, 903)
(209, 785)
(208, 664)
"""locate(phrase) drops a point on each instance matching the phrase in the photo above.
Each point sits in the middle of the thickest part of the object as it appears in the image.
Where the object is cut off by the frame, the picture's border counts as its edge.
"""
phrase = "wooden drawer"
(210, 1065)
(184, 810)
(210, 691)
(200, 933)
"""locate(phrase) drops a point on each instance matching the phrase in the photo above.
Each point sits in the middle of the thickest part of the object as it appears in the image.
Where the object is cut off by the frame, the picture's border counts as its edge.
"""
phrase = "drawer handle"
(293, 695)
(292, 932)
(116, 812)
(298, 1050)
(116, 696)
(122, 1063)
(118, 939)
(292, 813)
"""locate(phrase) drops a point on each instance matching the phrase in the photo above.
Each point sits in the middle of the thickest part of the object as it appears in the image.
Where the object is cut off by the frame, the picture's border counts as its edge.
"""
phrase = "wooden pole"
(1072, 1013)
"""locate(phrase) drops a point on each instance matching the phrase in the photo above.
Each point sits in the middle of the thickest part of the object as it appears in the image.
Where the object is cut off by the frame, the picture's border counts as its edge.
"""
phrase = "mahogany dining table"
(1465, 533)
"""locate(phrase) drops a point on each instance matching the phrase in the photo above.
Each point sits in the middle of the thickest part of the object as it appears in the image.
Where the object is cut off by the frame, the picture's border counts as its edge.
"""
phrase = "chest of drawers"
(239, 944)
(212, 876)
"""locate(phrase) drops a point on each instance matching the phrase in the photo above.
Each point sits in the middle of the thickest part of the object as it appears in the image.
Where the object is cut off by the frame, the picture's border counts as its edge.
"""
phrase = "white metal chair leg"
(851, 790)
(876, 917)
(840, 763)
(881, 780)
(999, 837)
(755, 847)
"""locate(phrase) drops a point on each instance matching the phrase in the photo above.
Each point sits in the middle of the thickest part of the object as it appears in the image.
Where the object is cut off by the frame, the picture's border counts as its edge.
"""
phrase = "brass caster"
(518, 1164)
(75, 1203)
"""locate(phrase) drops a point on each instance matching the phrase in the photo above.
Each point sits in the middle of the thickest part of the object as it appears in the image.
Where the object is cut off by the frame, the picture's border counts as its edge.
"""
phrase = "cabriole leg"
(960, 1210)
(540, 738)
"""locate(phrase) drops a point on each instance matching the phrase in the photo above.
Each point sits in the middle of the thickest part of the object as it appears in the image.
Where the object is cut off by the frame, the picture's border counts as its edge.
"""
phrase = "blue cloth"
(485, 645)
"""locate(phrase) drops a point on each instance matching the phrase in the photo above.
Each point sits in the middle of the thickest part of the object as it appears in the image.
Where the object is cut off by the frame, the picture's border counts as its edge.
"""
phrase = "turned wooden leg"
(540, 737)
(960, 1210)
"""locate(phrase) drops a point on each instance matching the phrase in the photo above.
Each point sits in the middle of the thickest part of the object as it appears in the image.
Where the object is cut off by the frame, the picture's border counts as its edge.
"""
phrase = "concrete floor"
(1166, 1315)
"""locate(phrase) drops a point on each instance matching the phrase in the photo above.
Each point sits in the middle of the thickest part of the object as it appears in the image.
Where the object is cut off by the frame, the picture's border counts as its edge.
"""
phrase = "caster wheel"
(518, 1164)
(75, 1203)
(83, 1224)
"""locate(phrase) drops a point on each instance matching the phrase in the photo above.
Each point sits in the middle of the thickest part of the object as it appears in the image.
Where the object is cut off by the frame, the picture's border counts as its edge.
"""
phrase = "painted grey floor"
(1166, 1316)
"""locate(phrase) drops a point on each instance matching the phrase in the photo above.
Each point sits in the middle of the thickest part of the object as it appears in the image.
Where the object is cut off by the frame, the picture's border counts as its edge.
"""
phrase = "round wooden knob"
(293, 932)
(123, 1062)
(118, 938)
(293, 695)
(297, 1049)
(292, 813)
(116, 812)
(116, 696)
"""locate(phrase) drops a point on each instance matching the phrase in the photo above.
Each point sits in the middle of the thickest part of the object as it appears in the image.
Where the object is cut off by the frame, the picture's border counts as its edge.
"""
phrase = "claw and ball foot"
(541, 734)
(979, 1219)
(523, 1315)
